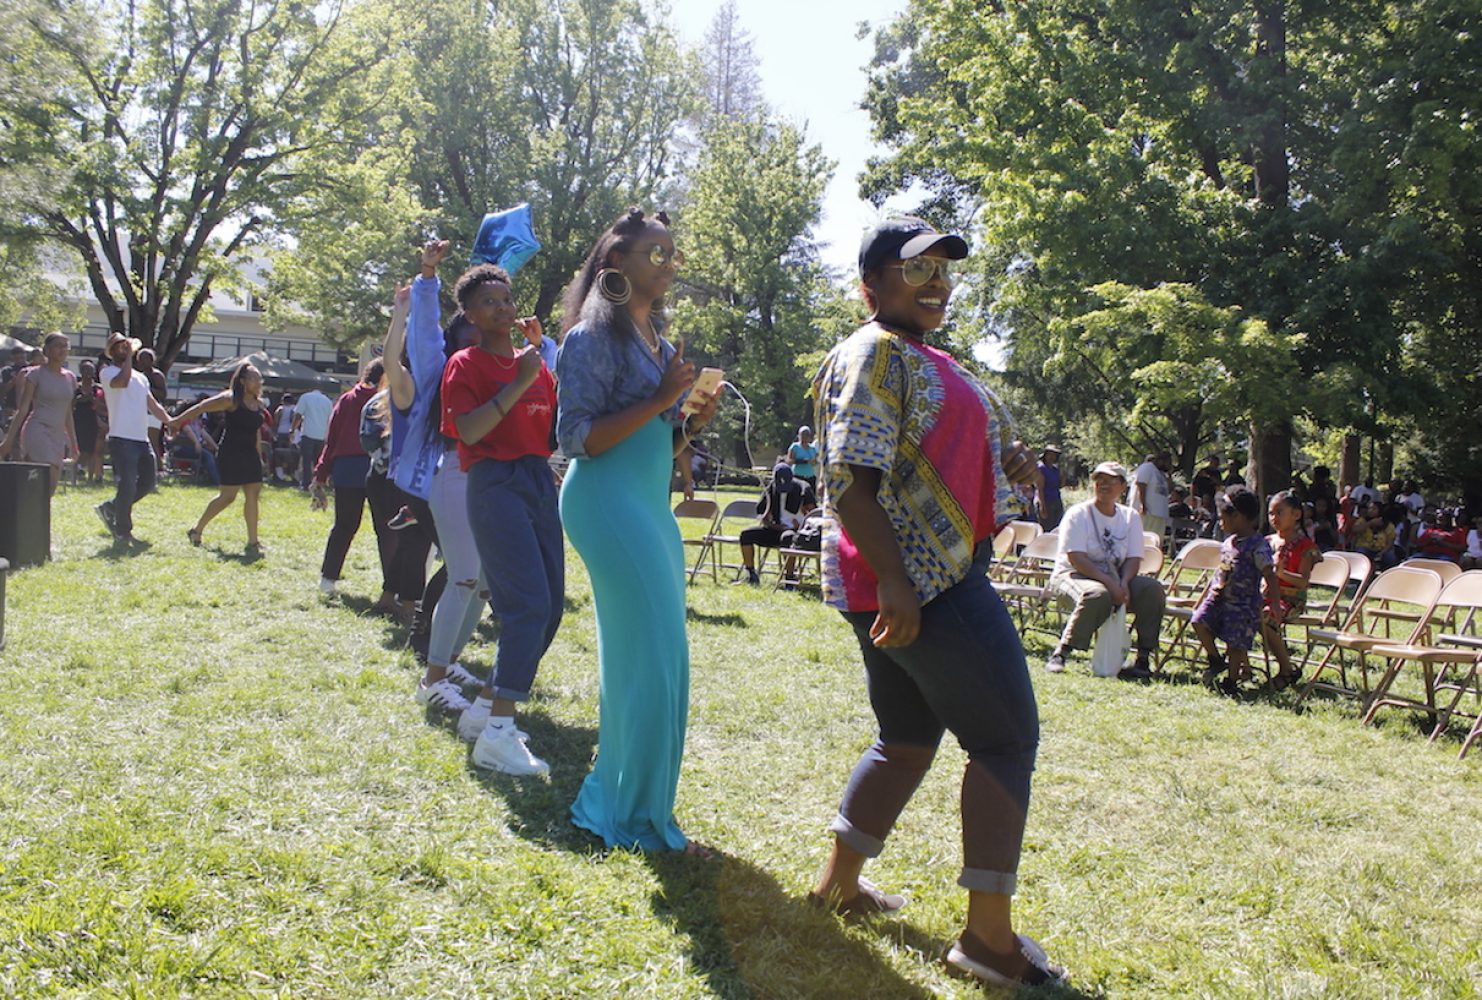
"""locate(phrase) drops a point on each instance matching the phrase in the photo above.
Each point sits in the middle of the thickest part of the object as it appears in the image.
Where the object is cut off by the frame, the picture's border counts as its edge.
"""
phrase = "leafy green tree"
(179, 127)
(753, 286)
(567, 105)
(1293, 161)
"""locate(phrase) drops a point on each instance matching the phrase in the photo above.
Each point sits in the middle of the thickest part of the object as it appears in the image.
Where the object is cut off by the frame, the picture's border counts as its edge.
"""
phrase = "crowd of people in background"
(1388, 525)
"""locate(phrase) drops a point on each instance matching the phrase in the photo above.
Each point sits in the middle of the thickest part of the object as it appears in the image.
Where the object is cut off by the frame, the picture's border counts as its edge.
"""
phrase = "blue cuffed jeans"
(133, 467)
(965, 673)
(515, 515)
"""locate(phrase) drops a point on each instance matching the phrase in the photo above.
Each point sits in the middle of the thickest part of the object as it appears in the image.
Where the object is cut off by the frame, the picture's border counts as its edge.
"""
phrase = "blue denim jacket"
(602, 369)
(421, 447)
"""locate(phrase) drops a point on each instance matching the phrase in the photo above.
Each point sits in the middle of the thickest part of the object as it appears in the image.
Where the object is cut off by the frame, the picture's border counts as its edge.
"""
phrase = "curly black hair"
(479, 274)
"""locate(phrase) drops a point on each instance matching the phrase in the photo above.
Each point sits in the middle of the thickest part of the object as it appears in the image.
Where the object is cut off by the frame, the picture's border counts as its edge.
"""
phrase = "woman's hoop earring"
(614, 286)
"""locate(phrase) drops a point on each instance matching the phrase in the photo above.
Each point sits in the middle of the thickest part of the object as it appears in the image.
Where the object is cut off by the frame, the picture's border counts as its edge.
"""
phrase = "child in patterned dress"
(1231, 610)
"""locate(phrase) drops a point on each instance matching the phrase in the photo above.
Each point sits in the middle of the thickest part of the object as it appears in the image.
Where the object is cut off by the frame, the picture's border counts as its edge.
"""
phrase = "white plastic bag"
(1110, 651)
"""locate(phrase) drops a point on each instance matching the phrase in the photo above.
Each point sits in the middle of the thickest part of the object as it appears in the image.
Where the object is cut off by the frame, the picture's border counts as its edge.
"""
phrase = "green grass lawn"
(215, 783)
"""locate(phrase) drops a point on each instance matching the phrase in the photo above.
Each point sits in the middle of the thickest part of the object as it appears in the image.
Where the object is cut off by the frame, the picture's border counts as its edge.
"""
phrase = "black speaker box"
(25, 513)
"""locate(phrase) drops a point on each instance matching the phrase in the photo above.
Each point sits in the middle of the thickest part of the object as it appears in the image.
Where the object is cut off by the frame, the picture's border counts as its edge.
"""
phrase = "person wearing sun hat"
(1097, 567)
(130, 403)
(917, 461)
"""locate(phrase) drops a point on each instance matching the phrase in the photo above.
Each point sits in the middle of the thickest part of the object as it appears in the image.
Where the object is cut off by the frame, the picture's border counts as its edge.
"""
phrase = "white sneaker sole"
(539, 769)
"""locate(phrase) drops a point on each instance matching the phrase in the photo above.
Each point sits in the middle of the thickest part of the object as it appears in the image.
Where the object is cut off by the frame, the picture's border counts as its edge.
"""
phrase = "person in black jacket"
(781, 508)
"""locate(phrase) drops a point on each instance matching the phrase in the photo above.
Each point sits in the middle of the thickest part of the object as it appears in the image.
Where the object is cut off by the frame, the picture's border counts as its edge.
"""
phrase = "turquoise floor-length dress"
(615, 508)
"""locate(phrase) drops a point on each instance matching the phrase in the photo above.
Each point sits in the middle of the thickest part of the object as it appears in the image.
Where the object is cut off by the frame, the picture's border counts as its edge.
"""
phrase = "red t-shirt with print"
(472, 377)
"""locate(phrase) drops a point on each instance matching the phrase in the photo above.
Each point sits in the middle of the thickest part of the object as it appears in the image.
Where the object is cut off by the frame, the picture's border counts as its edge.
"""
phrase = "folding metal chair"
(1458, 609)
(1189, 576)
(1004, 553)
(1447, 571)
(1395, 607)
(736, 510)
(1026, 591)
(707, 511)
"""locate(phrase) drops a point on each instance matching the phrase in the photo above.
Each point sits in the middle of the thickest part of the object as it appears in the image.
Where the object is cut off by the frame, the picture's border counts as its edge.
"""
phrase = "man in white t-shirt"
(130, 403)
(1150, 492)
(311, 420)
(1097, 568)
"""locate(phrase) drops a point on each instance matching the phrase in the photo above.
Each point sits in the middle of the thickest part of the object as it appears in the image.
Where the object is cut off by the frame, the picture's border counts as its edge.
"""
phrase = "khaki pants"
(1155, 524)
(1093, 606)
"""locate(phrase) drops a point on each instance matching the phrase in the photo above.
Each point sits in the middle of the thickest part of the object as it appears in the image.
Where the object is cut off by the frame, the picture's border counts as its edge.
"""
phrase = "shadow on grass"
(541, 809)
(751, 937)
(116, 550)
(394, 633)
(245, 558)
(745, 932)
(730, 619)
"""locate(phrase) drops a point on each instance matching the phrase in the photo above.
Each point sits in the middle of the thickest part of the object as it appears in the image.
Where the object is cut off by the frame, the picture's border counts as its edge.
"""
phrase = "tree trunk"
(1386, 470)
(1348, 466)
(1270, 457)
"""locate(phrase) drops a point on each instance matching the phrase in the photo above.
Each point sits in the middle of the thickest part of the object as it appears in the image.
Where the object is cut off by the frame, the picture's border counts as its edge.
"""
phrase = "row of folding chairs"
(1423, 613)
(722, 527)
(1417, 617)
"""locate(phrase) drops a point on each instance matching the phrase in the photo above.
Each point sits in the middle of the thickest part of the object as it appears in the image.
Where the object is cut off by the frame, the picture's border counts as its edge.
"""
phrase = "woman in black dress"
(88, 412)
(236, 458)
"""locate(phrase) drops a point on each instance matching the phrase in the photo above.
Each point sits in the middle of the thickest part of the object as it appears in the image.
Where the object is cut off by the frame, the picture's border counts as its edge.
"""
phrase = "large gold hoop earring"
(614, 286)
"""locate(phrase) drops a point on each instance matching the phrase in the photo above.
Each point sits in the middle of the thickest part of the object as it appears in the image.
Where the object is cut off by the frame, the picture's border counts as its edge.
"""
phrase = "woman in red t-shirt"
(500, 406)
(1296, 554)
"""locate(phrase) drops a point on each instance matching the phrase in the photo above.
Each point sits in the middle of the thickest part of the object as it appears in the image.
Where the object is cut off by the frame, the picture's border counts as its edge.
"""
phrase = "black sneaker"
(752, 577)
(1055, 663)
(1137, 672)
(104, 511)
(403, 519)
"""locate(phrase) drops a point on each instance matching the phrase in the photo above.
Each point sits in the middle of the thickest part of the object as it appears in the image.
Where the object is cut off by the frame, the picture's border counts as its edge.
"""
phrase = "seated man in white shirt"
(1097, 568)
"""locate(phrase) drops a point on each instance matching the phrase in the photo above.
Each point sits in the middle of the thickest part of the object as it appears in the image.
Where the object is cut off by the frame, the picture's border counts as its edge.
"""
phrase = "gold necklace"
(650, 339)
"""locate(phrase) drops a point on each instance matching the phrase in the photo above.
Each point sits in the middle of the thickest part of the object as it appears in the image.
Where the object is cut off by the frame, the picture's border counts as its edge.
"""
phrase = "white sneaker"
(459, 674)
(444, 696)
(326, 586)
(502, 750)
(472, 722)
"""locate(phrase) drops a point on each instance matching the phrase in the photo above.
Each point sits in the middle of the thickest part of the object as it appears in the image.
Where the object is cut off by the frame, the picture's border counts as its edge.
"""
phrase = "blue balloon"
(506, 238)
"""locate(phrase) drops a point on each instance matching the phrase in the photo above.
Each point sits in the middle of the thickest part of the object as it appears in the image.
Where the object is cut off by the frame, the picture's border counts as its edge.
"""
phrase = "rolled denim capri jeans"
(965, 673)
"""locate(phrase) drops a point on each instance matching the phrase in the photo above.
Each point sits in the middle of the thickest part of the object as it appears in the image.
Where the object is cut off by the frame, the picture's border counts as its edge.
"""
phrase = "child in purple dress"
(1231, 610)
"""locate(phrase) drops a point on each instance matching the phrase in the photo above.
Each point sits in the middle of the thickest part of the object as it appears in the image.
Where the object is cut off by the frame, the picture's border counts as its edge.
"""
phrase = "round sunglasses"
(658, 256)
(917, 271)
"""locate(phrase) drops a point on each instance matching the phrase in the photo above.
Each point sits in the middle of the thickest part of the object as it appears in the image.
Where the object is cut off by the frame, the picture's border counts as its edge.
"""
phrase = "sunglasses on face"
(658, 256)
(917, 271)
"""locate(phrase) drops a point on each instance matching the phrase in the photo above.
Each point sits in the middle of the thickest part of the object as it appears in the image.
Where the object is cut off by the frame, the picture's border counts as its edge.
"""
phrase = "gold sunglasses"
(658, 257)
(917, 271)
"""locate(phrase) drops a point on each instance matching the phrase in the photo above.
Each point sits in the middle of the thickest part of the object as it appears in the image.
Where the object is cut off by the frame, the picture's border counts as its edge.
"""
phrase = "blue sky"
(812, 70)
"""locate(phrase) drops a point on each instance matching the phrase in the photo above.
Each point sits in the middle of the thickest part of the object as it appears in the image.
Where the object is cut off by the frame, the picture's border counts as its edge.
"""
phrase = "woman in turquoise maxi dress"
(620, 388)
